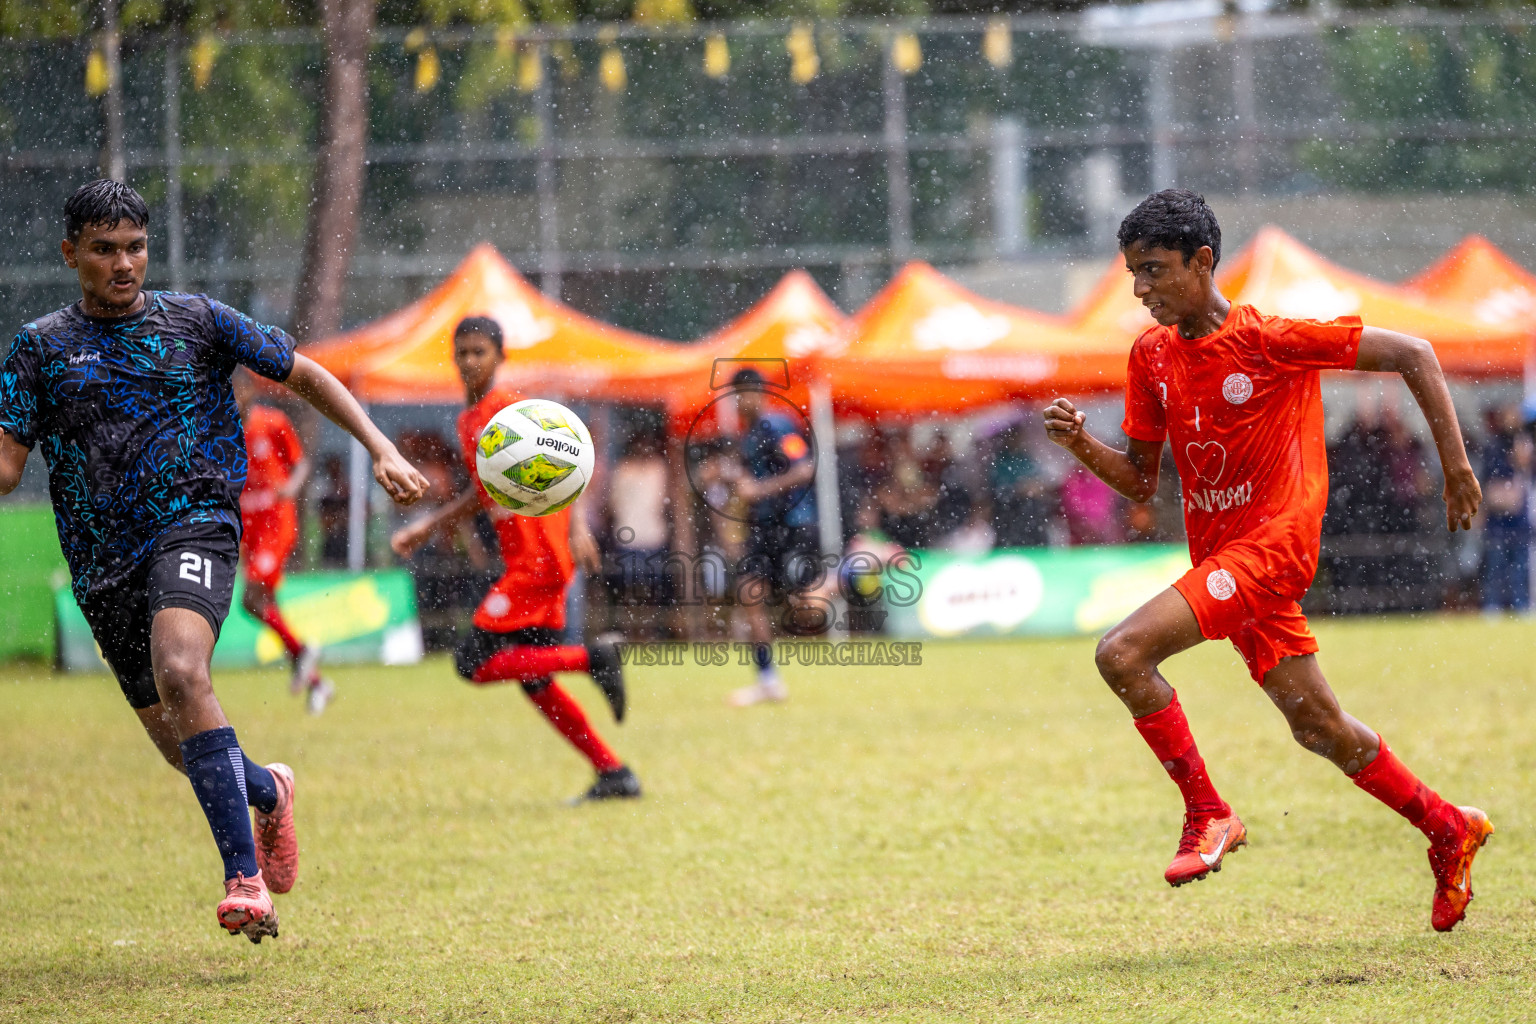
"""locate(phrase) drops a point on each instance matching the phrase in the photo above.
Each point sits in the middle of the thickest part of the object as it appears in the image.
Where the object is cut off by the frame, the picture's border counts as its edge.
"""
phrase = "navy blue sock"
(260, 790)
(217, 770)
(763, 655)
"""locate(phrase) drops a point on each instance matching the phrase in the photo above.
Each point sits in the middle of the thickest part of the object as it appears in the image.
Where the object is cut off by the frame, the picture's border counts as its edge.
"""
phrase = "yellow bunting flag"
(804, 63)
(428, 69)
(530, 69)
(661, 12)
(906, 53)
(505, 38)
(204, 52)
(97, 81)
(610, 70)
(997, 44)
(717, 55)
(415, 39)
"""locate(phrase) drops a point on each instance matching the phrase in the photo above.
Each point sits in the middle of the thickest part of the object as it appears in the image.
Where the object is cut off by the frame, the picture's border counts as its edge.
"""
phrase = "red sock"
(1167, 733)
(1389, 780)
(566, 716)
(527, 663)
(274, 619)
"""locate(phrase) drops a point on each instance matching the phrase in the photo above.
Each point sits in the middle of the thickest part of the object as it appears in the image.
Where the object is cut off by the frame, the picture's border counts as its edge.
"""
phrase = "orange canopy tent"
(407, 356)
(1478, 276)
(778, 336)
(925, 344)
(1277, 274)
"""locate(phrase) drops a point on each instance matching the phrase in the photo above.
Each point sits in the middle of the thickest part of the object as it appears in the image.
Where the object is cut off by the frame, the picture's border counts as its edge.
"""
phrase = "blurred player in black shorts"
(127, 395)
(782, 559)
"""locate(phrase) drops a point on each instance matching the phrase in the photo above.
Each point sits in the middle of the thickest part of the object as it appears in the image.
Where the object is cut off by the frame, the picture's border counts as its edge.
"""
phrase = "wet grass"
(981, 838)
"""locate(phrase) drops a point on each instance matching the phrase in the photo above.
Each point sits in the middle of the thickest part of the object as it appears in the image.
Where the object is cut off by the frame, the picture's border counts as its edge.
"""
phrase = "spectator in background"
(1506, 473)
(335, 499)
(637, 509)
(1407, 473)
(1091, 509)
(952, 501)
(1020, 493)
(908, 498)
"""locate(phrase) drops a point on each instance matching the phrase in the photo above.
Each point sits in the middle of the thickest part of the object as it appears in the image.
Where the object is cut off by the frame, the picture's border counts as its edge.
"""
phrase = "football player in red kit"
(517, 627)
(269, 518)
(1236, 393)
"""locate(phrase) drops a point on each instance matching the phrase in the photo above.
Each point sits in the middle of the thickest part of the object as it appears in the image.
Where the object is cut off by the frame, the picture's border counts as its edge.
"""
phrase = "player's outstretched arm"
(1383, 351)
(314, 383)
(799, 474)
(1132, 472)
(13, 459)
(414, 534)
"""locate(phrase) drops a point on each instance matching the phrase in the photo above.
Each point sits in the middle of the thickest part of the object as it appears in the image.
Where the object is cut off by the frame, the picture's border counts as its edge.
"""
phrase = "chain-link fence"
(650, 176)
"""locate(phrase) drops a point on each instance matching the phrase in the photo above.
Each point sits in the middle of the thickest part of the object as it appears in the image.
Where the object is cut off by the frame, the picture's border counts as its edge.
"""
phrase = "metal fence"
(651, 175)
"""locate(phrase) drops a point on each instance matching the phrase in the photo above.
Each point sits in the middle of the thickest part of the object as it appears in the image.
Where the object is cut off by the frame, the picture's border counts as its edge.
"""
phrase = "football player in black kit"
(127, 395)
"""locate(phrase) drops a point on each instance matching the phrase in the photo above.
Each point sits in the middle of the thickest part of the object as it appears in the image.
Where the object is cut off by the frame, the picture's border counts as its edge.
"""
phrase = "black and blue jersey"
(137, 422)
(770, 447)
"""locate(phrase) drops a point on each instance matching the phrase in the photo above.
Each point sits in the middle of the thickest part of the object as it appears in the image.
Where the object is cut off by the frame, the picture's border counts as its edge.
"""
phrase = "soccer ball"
(534, 457)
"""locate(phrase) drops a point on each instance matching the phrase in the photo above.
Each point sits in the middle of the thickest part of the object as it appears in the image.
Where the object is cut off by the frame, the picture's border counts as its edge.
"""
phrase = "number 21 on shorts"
(196, 568)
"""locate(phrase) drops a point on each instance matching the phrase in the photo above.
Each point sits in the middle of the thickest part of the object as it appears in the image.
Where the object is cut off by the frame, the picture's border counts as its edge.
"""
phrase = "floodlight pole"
(829, 510)
(1245, 106)
(547, 184)
(1165, 169)
(358, 480)
(898, 184)
(175, 247)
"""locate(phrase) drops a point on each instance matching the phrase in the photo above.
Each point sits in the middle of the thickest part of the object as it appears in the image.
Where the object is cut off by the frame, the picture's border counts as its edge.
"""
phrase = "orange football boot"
(247, 908)
(277, 846)
(1207, 839)
(1452, 864)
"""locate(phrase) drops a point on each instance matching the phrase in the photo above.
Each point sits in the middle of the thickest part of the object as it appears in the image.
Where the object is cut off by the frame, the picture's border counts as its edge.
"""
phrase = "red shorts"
(1229, 603)
(515, 603)
(266, 541)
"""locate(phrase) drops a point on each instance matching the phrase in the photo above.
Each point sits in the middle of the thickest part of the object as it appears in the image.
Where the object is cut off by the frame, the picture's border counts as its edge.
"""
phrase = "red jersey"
(272, 450)
(535, 550)
(1243, 410)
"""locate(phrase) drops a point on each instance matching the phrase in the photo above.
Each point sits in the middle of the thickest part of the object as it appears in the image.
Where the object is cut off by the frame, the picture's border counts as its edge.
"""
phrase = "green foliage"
(1478, 76)
(259, 97)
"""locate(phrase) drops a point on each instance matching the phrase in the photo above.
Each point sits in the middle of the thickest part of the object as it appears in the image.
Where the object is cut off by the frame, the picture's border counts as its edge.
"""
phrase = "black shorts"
(477, 648)
(189, 567)
(787, 557)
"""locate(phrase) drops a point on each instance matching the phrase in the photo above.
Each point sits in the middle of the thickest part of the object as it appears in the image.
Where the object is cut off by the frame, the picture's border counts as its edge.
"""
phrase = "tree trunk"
(337, 193)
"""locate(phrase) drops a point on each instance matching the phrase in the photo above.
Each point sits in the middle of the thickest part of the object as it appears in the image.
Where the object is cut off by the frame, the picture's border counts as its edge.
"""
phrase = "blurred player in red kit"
(269, 515)
(518, 625)
(1237, 395)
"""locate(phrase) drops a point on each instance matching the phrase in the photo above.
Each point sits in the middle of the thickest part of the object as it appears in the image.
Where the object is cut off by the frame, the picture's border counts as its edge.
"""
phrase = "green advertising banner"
(1026, 591)
(31, 566)
(356, 617)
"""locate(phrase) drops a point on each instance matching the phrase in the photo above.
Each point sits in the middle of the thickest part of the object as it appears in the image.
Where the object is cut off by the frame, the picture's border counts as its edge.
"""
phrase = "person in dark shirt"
(782, 560)
(127, 395)
(1507, 459)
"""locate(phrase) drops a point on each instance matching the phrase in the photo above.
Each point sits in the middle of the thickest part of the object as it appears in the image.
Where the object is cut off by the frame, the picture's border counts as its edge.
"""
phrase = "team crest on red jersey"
(1237, 388)
(1222, 584)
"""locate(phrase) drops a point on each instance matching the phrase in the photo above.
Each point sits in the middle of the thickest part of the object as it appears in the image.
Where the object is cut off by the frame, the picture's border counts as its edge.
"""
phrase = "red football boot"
(1207, 839)
(277, 846)
(1451, 861)
(247, 908)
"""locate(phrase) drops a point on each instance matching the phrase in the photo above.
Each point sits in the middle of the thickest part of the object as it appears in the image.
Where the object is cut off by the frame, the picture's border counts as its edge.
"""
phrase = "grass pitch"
(981, 838)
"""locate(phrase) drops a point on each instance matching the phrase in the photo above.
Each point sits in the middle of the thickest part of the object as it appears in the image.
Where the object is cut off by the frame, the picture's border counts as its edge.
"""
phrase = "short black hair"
(1175, 218)
(748, 378)
(482, 325)
(103, 201)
